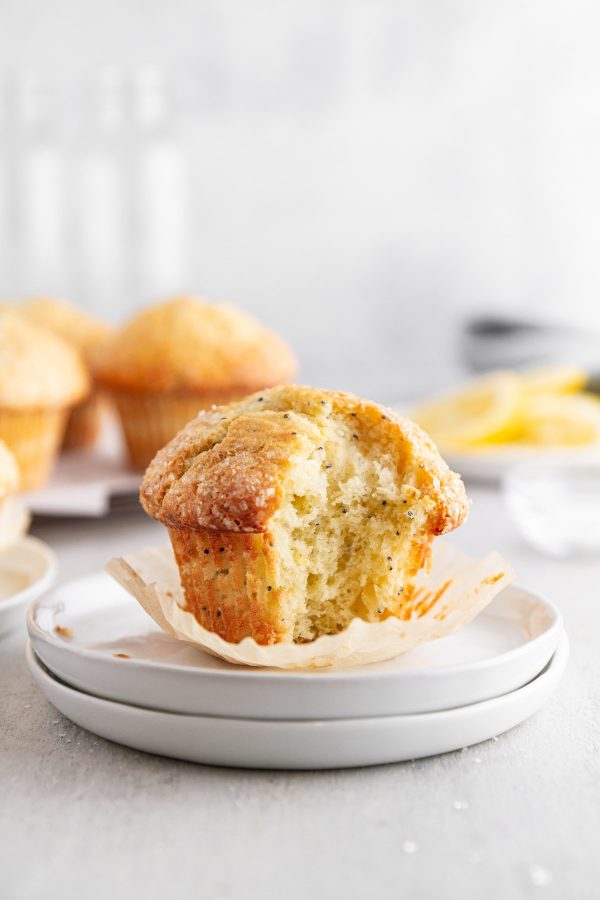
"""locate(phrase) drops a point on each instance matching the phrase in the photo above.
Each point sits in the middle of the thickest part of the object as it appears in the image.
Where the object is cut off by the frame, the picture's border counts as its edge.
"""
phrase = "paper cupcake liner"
(84, 423)
(149, 421)
(455, 590)
(34, 436)
(14, 521)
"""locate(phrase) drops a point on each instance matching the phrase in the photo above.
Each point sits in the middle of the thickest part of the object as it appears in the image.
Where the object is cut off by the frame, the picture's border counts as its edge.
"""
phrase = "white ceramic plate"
(504, 648)
(310, 744)
(27, 569)
(492, 465)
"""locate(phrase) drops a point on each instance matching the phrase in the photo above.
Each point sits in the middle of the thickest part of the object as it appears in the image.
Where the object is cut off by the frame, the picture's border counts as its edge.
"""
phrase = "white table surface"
(515, 817)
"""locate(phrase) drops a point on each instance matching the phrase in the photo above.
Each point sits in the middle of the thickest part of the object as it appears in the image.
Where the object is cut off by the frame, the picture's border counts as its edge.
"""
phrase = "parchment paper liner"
(14, 521)
(456, 589)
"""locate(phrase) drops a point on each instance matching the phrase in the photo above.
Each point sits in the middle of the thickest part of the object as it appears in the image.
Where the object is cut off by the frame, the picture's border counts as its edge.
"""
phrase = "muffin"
(297, 510)
(181, 356)
(41, 378)
(83, 331)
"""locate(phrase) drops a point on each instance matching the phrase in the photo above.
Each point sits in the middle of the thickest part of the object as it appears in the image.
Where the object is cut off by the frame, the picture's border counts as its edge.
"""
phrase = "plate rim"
(559, 659)
(347, 676)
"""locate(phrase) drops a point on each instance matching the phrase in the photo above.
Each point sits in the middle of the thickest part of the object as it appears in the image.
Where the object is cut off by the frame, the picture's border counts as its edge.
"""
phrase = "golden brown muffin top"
(74, 325)
(9, 472)
(37, 368)
(227, 470)
(187, 345)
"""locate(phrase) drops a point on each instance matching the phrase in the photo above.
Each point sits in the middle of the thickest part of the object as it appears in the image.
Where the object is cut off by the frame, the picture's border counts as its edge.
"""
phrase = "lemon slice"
(485, 410)
(560, 420)
(563, 379)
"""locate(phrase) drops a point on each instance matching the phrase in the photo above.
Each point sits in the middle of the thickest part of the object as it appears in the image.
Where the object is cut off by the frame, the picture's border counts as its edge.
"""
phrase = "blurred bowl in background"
(555, 504)
(500, 342)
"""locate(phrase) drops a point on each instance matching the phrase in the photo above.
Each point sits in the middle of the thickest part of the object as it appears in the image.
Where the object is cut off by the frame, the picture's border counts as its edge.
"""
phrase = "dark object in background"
(495, 342)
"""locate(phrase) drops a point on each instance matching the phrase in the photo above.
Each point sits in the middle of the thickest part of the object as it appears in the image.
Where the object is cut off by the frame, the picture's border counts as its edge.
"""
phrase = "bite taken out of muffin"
(296, 510)
(178, 357)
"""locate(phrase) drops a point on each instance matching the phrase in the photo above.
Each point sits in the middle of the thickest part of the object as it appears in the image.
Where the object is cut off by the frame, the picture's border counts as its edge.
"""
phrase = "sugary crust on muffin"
(9, 472)
(187, 345)
(37, 368)
(227, 469)
(74, 325)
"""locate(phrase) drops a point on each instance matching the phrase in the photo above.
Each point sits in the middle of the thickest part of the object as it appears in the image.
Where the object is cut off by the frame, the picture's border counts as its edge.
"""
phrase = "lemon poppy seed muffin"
(181, 356)
(83, 331)
(296, 510)
(41, 378)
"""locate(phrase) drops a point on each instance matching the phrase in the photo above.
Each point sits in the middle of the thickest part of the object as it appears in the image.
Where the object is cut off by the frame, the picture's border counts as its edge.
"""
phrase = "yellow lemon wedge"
(560, 379)
(560, 420)
(486, 410)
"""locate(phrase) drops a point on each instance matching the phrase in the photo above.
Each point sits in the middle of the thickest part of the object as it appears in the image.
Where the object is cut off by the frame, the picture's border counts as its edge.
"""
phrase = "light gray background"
(360, 173)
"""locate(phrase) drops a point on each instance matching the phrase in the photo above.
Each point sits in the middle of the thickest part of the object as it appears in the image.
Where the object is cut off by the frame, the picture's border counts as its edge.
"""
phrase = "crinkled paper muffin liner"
(454, 591)
(84, 423)
(34, 436)
(150, 420)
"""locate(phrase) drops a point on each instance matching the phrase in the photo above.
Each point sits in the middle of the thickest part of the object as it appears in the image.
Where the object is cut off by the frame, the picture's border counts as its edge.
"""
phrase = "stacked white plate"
(104, 664)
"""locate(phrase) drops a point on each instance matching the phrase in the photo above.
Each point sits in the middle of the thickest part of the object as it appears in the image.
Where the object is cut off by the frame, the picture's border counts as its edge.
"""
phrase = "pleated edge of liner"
(464, 586)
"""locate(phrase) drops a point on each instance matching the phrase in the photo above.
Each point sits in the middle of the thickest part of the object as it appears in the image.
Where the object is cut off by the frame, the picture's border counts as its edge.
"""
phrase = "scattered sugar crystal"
(410, 846)
(539, 876)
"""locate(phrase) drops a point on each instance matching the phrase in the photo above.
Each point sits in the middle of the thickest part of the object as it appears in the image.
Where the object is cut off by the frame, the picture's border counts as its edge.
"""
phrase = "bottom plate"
(309, 744)
(94, 637)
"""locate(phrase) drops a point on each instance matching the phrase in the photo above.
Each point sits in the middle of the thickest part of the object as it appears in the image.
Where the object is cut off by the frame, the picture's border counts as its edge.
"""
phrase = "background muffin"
(41, 378)
(181, 356)
(297, 510)
(83, 331)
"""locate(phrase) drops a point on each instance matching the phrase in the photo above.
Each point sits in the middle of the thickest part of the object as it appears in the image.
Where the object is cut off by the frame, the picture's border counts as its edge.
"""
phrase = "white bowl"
(27, 569)
(556, 506)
